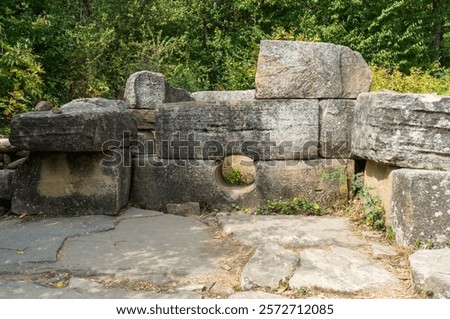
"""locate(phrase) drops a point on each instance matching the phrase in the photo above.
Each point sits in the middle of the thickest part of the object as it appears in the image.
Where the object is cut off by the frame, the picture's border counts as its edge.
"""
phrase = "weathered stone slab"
(336, 121)
(340, 269)
(216, 96)
(162, 249)
(85, 125)
(6, 176)
(294, 231)
(378, 178)
(265, 129)
(405, 130)
(72, 183)
(431, 271)
(145, 143)
(290, 69)
(380, 251)
(421, 207)
(146, 90)
(145, 119)
(269, 265)
(159, 182)
(39, 241)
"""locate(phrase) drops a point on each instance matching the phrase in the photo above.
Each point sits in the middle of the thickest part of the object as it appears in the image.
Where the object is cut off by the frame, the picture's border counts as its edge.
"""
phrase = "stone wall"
(310, 115)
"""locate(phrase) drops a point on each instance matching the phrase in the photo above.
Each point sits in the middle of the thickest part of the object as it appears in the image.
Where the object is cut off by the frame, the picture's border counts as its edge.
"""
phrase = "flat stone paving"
(148, 254)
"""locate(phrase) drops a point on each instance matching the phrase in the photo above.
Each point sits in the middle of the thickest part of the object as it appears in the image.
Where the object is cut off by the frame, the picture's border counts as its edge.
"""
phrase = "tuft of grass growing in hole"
(234, 178)
(295, 206)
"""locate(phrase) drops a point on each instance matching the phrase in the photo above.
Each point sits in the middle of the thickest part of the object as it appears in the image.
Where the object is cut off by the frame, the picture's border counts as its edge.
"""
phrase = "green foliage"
(20, 79)
(70, 49)
(234, 178)
(390, 233)
(416, 81)
(337, 175)
(294, 206)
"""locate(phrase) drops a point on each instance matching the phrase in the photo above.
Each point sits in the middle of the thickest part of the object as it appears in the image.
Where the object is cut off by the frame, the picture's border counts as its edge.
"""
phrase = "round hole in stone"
(238, 170)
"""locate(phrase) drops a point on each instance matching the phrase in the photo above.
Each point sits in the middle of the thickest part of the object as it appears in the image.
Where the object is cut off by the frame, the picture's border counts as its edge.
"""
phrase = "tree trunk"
(86, 9)
(438, 34)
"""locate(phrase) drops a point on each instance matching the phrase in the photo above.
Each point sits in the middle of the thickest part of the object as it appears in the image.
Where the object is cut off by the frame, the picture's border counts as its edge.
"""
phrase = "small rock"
(6, 147)
(57, 110)
(6, 160)
(225, 267)
(380, 251)
(255, 295)
(185, 209)
(193, 287)
(16, 164)
(23, 153)
(372, 234)
(43, 106)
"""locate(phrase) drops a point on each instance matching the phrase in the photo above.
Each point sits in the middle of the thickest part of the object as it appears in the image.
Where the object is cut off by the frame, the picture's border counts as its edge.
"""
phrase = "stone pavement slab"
(340, 269)
(161, 248)
(269, 265)
(290, 230)
(431, 271)
(39, 241)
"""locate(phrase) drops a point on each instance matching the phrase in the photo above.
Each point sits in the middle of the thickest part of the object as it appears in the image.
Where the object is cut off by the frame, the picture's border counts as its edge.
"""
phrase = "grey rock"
(340, 269)
(146, 90)
(255, 295)
(5, 146)
(6, 189)
(380, 251)
(39, 241)
(159, 182)
(289, 69)
(145, 119)
(295, 231)
(421, 207)
(145, 143)
(6, 160)
(431, 271)
(160, 249)
(132, 212)
(85, 125)
(43, 106)
(185, 209)
(72, 183)
(265, 129)
(23, 153)
(216, 96)
(269, 265)
(336, 121)
(192, 287)
(405, 130)
(16, 163)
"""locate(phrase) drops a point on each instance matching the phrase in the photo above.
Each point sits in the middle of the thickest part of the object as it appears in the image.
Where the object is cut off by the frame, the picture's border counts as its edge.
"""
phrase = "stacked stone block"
(144, 92)
(294, 128)
(79, 159)
(406, 138)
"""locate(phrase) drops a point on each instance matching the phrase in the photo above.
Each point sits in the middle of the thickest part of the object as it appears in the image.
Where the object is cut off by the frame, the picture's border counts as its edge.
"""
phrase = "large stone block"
(85, 125)
(6, 176)
(421, 207)
(72, 183)
(215, 96)
(378, 178)
(159, 182)
(405, 130)
(145, 119)
(146, 90)
(263, 129)
(336, 121)
(290, 69)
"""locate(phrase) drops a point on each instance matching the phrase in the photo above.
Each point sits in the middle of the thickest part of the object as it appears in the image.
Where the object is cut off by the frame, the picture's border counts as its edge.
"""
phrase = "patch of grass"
(234, 178)
(390, 234)
(430, 244)
(448, 244)
(295, 206)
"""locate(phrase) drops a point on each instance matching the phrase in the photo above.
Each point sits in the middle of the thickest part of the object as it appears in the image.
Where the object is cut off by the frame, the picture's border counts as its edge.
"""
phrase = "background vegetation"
(64, 49)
